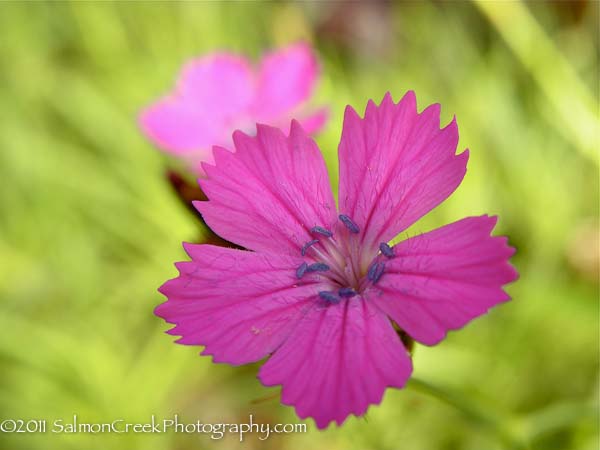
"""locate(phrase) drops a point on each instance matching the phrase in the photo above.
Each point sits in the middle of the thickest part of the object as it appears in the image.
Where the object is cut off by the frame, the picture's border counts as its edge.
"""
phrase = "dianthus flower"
(319, 288)
(222, 92)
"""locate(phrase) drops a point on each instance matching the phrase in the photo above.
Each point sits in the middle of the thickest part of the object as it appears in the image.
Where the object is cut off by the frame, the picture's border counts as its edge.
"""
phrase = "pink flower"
(221, 92)
(317, 289)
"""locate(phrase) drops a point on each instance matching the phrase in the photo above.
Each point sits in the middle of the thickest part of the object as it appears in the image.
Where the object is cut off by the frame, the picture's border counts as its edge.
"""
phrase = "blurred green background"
(89, 227)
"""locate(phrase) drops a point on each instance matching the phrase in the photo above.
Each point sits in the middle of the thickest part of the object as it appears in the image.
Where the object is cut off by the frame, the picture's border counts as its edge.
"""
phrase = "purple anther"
(320, 230)
(386, 250)
(346, 292)
(300, 271)
(329, 297)
(317, 267)
(375, 271)
(349, 223)
(372, 270)
(306, 246)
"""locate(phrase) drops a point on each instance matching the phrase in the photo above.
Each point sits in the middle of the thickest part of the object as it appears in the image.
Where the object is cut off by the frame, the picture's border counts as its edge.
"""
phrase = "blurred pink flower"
(222, 92)
(317, 289)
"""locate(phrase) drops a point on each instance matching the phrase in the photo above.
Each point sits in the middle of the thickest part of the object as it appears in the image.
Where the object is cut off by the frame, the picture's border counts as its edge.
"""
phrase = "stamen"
(375, 271)
(349, 223)
(320, 230)
(317, 267)
(371, 272)
(329, 297)
(386, 250)
(300, 271)
(347, 292)
(306, 246)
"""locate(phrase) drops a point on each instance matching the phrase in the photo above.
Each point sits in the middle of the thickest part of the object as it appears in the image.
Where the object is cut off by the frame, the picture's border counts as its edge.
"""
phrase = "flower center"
(340, 260)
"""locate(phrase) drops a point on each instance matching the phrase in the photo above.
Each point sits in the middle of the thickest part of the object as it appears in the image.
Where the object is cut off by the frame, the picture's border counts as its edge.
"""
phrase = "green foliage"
(89, 228)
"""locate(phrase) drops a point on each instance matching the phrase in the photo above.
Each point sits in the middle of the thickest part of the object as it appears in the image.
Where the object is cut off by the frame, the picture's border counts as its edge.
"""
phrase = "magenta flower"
(317, 290)
(222, 92)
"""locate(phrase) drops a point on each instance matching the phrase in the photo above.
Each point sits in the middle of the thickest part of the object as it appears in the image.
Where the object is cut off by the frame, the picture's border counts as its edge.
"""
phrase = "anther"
(371, 272)
(386, 250)
(346, 292)
(349, 223)
(306, 246)
(375, 271)
(320, 230)
(317, 267)
(329, 297)
(300, 271)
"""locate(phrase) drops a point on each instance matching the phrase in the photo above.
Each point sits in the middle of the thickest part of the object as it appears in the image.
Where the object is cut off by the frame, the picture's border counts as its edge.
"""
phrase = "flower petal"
(221, 83)
(180, 128)
(211, 94)
(269, 193)
(286, 79)
(443, 279)
(240, 305)
(338, 361)
(395, 166)
(313, 122)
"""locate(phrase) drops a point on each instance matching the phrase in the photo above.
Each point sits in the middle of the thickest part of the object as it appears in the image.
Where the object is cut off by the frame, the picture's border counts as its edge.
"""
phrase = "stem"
(551, 70)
